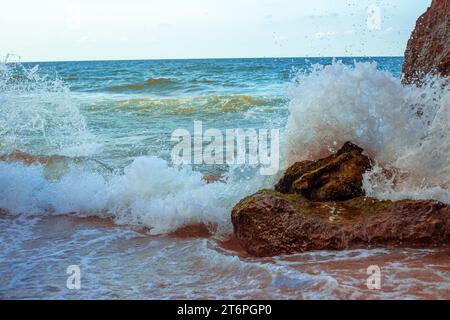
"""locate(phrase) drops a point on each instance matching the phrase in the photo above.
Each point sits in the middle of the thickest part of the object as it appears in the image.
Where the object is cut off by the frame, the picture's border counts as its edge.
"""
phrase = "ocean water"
(86, 176)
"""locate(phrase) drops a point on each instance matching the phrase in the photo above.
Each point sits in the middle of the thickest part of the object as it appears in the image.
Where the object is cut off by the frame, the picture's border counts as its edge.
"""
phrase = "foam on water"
(150, 267)
(37, 112)
(149, 193)
(404, 128)
(119, 263)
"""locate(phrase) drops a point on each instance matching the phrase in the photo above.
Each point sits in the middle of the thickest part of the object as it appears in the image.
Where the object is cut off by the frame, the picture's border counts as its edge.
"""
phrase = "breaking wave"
(36, 112)
(403, 127)
(53, 179)
(149, 193)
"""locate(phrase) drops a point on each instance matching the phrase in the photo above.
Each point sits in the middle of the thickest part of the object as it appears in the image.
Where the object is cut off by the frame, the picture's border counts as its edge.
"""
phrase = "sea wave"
(196, 104)
(403, 127)
(149, 193)
(154, 84)
(53, 179)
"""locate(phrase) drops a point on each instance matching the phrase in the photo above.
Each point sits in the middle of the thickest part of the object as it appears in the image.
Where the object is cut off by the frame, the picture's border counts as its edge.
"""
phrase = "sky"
(67, 30)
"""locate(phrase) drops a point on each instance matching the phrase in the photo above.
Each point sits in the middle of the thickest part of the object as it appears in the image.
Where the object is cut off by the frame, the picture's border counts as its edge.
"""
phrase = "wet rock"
(271, 223)
(337, 177)
(30, 159)
(194, 230)
(320, 205)
(212, 179)
(428, 50)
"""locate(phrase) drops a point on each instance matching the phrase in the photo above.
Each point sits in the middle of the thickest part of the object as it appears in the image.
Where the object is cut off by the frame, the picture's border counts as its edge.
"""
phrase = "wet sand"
(121, 262)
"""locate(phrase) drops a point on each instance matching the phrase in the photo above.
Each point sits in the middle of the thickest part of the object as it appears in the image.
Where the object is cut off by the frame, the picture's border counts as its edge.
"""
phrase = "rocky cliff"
(428, 50)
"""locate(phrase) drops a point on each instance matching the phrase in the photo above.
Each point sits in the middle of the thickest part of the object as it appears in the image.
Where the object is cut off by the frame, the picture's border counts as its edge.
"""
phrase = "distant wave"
(157, 84)
(198, 104)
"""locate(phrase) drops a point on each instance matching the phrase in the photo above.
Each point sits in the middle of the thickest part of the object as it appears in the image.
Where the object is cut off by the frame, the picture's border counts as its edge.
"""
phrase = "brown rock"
(212, 179)
(428, 50)
(30, 159)
(195, 230)
(337, 177)
(271, 223)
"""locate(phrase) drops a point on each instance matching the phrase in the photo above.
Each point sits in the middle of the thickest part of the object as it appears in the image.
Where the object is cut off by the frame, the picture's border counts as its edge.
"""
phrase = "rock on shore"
(271, 223)
(337, 177)
(330, 212)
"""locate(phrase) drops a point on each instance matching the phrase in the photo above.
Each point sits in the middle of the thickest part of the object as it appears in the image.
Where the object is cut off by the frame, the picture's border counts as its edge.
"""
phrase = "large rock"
(428, 50)
(337, 177)
(320, 205)
(271, 223)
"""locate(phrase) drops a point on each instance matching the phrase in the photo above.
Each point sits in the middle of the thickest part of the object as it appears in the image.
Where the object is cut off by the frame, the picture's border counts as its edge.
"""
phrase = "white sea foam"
(404, 128)
(149, 192)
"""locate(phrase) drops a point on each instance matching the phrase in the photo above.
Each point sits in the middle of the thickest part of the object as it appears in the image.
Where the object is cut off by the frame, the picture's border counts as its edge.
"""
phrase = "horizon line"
(221, 58)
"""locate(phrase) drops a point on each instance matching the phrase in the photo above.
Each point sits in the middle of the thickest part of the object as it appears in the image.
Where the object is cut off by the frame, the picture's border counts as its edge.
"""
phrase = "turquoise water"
(132, 107)
(86, 176)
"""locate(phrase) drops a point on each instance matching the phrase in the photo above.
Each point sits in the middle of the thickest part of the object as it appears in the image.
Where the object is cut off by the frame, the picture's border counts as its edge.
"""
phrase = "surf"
(404, 127)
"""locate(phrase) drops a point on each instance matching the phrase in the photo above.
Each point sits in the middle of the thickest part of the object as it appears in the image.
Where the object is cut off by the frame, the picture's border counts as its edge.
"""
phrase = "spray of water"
(38, 114)
(404, 128)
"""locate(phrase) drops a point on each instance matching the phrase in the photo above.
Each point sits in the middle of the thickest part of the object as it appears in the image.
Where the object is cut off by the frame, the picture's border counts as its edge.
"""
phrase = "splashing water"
(149, 193)
(39, 116)
(37, 112)
(404, 128)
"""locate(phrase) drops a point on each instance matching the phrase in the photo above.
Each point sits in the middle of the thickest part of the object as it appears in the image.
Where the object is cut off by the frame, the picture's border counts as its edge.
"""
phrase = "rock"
(212, 179)
(428, 50)
(320, 205)
(3, 213)
(29, 159)
(272, 223)
(334, 178)
(194, 230)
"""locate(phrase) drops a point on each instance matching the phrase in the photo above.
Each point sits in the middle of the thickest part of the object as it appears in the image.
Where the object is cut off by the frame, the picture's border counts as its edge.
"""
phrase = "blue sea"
(86, 177)
(132, 107)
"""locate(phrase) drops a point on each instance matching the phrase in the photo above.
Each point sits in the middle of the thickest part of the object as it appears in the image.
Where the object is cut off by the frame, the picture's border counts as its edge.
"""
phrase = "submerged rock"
(428, 50)
(29, 159)
(271, 223)
(337, 177)
(208, 179)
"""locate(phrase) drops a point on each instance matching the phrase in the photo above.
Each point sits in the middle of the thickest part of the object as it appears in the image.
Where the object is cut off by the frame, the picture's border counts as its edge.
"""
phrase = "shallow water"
(86, 177)
(122, 263)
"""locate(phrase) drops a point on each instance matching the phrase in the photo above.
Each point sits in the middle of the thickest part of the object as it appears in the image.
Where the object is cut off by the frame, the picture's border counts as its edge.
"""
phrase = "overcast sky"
(50, 30)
